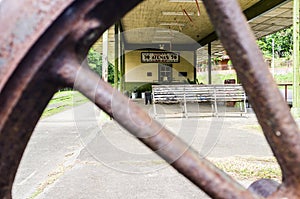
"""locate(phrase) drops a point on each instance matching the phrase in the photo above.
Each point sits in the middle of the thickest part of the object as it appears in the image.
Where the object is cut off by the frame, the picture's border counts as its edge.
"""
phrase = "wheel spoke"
(272, 112)
(171, 148)
(26, 84)
(31, 71)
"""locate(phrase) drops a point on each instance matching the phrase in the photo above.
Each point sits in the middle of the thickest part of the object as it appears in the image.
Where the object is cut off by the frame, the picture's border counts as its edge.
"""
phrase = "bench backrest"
(230, 92)
(197, 93)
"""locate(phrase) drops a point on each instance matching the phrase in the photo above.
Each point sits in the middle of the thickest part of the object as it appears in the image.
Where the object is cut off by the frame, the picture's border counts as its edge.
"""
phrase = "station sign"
(160, 57)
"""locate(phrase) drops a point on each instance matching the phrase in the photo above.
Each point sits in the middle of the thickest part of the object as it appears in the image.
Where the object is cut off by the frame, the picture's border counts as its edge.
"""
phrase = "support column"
(116, 69)
(122, 57)
(105, 56)
(123, 67)
(296, 61)
(195, 66)
(209, 63)
(273, 58)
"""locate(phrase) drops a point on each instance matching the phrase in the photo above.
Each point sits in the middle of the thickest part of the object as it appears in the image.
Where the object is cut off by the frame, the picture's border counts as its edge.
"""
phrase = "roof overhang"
(175, 24)
(180, 17)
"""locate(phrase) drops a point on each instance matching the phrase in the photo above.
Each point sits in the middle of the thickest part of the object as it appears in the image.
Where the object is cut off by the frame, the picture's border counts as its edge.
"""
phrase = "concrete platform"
(81, 153)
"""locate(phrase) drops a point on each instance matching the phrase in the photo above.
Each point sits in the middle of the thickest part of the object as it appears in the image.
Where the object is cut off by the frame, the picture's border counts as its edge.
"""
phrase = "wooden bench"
(185, 93)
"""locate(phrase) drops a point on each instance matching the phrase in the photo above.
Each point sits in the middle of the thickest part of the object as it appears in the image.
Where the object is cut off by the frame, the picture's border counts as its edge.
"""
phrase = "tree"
(283, 41)
(94, 60)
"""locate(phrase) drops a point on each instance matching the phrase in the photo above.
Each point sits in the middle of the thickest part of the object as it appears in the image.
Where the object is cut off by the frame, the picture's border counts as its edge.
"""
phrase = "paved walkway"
(80, 153)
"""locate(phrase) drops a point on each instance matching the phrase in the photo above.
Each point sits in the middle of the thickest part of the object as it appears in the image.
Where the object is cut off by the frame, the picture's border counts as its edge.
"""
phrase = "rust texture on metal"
(48, 61)
(26, 84)
(199, 170)
(274, 116)
(24, 22)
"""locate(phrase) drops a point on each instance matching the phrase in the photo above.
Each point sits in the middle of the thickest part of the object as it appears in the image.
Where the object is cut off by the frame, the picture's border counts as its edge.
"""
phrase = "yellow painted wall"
(135, 71)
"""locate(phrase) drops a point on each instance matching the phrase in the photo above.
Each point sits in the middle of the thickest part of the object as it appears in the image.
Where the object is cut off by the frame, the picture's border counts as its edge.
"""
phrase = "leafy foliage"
(284, 78)
(94, 60)
(283, 43)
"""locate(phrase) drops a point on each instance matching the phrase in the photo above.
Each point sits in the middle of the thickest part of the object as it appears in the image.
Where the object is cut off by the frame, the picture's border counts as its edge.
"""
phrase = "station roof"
(179, 24)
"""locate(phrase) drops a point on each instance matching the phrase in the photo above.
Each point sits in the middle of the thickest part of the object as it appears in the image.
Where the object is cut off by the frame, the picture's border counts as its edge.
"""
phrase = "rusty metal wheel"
(45, 55)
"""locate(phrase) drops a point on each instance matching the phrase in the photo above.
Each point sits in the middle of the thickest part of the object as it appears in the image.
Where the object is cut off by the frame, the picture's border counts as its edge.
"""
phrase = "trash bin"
(148, 97)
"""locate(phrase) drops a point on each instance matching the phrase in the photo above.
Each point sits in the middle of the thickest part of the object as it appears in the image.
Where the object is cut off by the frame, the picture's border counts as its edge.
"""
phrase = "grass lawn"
(218, 77)
(62, 101)
(250, 168)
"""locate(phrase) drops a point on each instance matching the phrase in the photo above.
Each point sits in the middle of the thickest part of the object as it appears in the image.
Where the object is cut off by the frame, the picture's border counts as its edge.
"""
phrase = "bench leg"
(154, 110)
(185, 107)
(216, 109)
(245, 106)
(213, 108)
(185, 110)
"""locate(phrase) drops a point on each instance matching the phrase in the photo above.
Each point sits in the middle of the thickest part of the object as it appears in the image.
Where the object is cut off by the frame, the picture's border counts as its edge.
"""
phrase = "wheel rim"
(52, 61)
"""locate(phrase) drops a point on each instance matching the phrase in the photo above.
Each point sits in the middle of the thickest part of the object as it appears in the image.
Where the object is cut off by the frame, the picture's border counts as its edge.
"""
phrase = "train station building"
(165, 42)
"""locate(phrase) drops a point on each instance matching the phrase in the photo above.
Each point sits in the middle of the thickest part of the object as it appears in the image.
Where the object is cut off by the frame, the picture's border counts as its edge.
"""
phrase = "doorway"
(165, 73)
